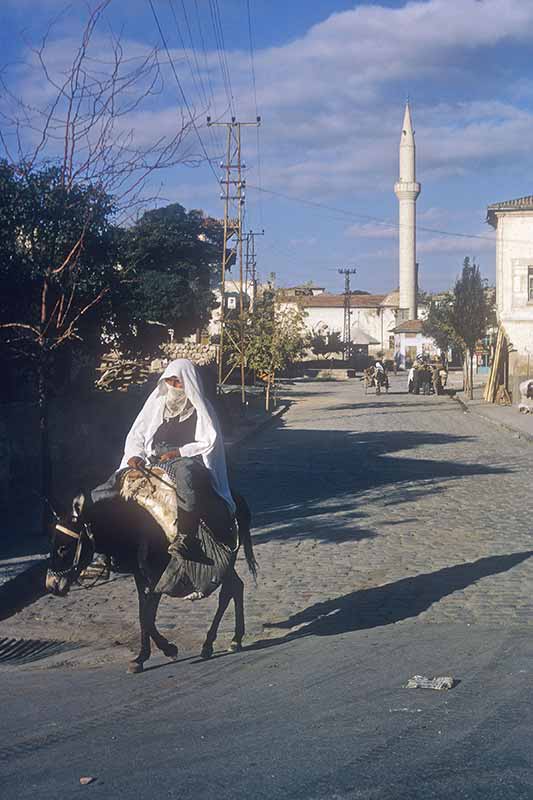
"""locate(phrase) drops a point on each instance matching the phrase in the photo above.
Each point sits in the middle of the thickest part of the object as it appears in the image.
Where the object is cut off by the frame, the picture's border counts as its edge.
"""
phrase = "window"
(530, 284)
(391, 342)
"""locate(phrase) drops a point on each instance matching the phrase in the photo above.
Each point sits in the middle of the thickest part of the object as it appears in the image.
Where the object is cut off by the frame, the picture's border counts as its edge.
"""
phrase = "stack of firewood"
(119, 374)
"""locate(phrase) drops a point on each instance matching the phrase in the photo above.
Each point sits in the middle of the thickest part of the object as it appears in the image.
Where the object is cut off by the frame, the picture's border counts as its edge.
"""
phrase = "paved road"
(367, 510)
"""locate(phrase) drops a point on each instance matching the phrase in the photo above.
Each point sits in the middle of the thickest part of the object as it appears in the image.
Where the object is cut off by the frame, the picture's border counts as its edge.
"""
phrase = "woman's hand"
(136, 462)
(169, 455)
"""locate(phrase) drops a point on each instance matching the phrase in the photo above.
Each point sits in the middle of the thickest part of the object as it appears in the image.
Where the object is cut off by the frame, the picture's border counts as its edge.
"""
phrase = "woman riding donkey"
(178, 429)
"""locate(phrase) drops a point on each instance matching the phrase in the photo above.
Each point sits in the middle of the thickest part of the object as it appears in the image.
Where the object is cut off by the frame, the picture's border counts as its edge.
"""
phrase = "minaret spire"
(407, 190)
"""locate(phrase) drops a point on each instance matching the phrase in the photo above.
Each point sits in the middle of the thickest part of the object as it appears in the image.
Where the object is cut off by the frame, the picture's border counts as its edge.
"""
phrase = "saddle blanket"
(155, 492)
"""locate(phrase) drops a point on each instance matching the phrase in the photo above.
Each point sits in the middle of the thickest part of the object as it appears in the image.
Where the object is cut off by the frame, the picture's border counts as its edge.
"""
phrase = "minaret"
(407, 190)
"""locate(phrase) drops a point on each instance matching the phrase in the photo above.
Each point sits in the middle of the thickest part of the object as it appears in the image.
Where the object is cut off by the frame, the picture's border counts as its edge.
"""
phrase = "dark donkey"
(137, 544)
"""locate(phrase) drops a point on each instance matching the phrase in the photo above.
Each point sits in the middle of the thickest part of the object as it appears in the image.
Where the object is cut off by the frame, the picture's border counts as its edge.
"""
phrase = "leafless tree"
(84, 127)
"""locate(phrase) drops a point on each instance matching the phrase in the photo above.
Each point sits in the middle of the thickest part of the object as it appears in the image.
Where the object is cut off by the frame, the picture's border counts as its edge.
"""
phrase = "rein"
(84, 534)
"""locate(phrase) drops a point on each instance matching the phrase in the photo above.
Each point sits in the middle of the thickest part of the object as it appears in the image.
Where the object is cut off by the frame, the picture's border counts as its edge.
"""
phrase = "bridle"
(85, 535)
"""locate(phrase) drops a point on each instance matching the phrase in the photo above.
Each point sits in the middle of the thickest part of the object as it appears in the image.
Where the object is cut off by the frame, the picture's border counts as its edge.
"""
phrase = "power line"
(197, 82)
(220, 145)
(380, 220)
(184, 98)
(252, 64)
(219, 43)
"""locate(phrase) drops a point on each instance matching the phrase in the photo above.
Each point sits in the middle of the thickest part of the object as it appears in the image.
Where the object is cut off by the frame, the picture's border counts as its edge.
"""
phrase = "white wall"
(514, 254)
(377, 323)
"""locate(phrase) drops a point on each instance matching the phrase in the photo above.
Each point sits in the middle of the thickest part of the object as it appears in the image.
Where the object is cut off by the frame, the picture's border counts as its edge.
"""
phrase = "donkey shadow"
(393, 602)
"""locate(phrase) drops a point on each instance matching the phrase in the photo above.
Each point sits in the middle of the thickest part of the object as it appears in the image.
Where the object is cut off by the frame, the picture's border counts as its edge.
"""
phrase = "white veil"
(208, 441)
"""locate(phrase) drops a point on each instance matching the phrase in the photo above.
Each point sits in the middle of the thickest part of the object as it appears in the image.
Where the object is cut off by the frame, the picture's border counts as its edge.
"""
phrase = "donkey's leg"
(136, 665)
(152, 604)
(226, 593)
(238, 599)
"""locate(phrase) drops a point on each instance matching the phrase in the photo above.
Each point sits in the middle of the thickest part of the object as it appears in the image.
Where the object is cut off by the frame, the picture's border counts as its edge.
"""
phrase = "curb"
(528, 437)
(282, 408)
(463, 405)
(23, 589)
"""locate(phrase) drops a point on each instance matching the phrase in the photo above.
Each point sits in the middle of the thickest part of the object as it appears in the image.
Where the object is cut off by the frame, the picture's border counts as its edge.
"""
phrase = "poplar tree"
(469, 316)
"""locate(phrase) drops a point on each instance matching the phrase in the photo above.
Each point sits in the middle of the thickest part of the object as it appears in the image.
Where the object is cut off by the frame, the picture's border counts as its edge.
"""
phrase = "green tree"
(72, 165)
(171, 256)
(57, 268)
(439, 324)
(325, 345)
(470, 314)
(272, 338)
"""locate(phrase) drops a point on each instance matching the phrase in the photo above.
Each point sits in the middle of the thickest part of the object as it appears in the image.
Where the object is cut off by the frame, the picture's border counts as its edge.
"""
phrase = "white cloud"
(467, 245)
(372, 230)
(329, 124)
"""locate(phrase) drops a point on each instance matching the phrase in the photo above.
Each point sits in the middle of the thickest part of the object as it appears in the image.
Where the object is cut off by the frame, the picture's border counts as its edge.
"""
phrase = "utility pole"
(251, 263)
(347, 333)
(233, 194)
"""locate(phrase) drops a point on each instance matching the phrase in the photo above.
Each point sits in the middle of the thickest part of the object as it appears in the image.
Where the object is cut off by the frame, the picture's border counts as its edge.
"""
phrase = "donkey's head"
(71, 550)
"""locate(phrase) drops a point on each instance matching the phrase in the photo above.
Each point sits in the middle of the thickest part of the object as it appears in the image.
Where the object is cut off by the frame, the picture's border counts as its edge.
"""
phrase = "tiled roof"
(521, 204)
(409, 326)
(337, 301)
(392, 299)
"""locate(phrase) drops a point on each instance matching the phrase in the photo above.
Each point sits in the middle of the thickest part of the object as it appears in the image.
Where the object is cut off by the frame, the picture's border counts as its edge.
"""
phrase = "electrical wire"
(357, 215)
(219, 43)
(197, 82)
(199, 88)
(184, 98)
(254, 84)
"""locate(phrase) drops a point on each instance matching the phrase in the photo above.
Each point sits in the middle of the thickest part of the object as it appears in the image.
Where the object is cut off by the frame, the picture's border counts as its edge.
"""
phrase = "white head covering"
(208, 441)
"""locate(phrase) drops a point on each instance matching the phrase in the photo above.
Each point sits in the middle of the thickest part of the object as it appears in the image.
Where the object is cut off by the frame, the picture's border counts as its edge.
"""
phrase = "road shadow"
(317, 487)
(379, 404)
(393, 602)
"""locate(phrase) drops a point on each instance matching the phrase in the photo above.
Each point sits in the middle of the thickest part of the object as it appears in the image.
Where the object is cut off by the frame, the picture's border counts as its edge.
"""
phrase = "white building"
(513, 221)
(373, 317)
(410, 342)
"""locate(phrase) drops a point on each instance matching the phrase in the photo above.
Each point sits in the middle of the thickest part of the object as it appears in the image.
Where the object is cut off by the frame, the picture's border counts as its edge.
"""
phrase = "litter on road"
(439, 683)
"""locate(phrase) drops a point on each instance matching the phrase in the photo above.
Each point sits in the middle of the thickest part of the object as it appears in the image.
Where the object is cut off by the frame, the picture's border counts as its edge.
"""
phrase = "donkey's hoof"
(207, 651)
(171, 651)
(235, 647)
(134, 667)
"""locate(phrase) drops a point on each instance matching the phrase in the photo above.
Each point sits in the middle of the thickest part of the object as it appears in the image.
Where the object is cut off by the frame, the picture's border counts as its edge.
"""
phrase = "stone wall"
(87, 440)
(200, 354)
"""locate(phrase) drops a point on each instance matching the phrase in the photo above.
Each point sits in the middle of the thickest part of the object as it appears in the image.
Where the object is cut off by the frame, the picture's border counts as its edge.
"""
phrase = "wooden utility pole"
(347, 331)
(251, 264)
(233, 195)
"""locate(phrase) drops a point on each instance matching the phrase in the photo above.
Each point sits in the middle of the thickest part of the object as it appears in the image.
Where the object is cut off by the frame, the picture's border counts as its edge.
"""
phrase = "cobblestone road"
(367, 511)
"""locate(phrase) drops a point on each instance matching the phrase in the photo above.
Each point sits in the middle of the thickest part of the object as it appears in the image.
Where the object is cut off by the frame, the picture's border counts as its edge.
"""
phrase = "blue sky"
(331, 81)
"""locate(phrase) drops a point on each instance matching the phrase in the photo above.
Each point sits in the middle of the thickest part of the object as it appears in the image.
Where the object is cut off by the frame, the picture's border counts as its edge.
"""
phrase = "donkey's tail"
(244, 520)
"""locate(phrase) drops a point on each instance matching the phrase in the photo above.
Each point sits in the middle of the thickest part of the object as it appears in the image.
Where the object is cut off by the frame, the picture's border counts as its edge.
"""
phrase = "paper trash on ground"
(421, 682)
